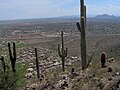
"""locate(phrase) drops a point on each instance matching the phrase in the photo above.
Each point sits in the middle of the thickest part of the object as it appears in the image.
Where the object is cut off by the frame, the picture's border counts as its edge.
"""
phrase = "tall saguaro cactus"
(37, 64)
(62, 52)
(82, 28)
(12, 57)
(3, 63)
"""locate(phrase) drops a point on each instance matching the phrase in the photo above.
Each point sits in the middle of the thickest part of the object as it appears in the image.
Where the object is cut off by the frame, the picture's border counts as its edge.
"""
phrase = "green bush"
(8, 79)
(12, 81)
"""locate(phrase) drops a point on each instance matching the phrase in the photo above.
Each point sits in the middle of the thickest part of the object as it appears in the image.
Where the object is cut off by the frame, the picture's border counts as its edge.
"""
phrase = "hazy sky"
(18, 9)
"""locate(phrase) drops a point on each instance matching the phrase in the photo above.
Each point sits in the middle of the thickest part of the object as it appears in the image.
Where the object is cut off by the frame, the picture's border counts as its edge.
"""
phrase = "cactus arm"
(65, 53)
(59, 50)
(14, 51)
(37, 64)
(78, 26)
(10, 53)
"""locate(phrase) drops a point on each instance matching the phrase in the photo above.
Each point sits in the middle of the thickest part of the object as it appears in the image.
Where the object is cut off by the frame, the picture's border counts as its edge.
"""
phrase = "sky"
(23, 9)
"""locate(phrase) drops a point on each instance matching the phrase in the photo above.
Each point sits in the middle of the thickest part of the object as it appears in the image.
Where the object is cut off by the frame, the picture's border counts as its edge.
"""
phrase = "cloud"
(12, 9)
(16, 9)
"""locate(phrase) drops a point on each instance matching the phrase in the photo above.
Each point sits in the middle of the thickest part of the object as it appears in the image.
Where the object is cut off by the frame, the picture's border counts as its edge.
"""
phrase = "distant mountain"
(105, 16)
(67, 18)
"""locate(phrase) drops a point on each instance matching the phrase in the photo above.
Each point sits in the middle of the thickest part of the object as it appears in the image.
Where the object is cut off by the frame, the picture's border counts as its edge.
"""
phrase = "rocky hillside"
(94, 78)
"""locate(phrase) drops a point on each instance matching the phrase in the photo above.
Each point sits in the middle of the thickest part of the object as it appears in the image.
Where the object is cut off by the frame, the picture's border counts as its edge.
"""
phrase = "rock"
(95, 79)
(110, 69)
(73, 70)
(64, 77)
(42, 55)
(43, 86)
(63, 84)
(92, 76)
(42, 76)
(68, 64)
(72, 58)
(31, 65)
(22, 61)
(31, 53)
(111, 60)
(110, 78)
(57, 63)
(112, 85)
(34, 72)
(117, 73)
(33, 86)
(27, 87)
(28, 75)
(30, 70)
(73, 75)
(100, 85)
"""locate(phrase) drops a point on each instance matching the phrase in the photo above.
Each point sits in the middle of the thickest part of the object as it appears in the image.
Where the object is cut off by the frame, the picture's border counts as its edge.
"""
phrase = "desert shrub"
(8, 79)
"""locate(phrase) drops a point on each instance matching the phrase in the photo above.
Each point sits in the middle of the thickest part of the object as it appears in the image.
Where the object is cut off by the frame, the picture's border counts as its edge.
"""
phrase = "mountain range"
(66, 18)
(103, 16)
(106, 16)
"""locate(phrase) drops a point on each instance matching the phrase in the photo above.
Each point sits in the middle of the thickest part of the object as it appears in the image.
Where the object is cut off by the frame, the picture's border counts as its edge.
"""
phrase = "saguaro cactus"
(3, 63)
(62, 52)
(103, 59)
(82, 28)
(12, 57)
(37, 64)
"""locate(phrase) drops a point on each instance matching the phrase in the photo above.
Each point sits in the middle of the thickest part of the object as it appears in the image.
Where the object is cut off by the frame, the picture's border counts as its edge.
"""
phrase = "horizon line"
(89, 16)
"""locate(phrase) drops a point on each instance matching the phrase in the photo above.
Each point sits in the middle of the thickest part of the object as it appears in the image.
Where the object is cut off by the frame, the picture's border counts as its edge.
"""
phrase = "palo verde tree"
(82, 28)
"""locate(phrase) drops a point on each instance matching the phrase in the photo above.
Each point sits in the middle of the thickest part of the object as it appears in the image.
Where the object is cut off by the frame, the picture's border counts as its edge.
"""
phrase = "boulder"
(28, 75)
(110, 69)
(111, 60)
(30, 70)
(31, 65)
